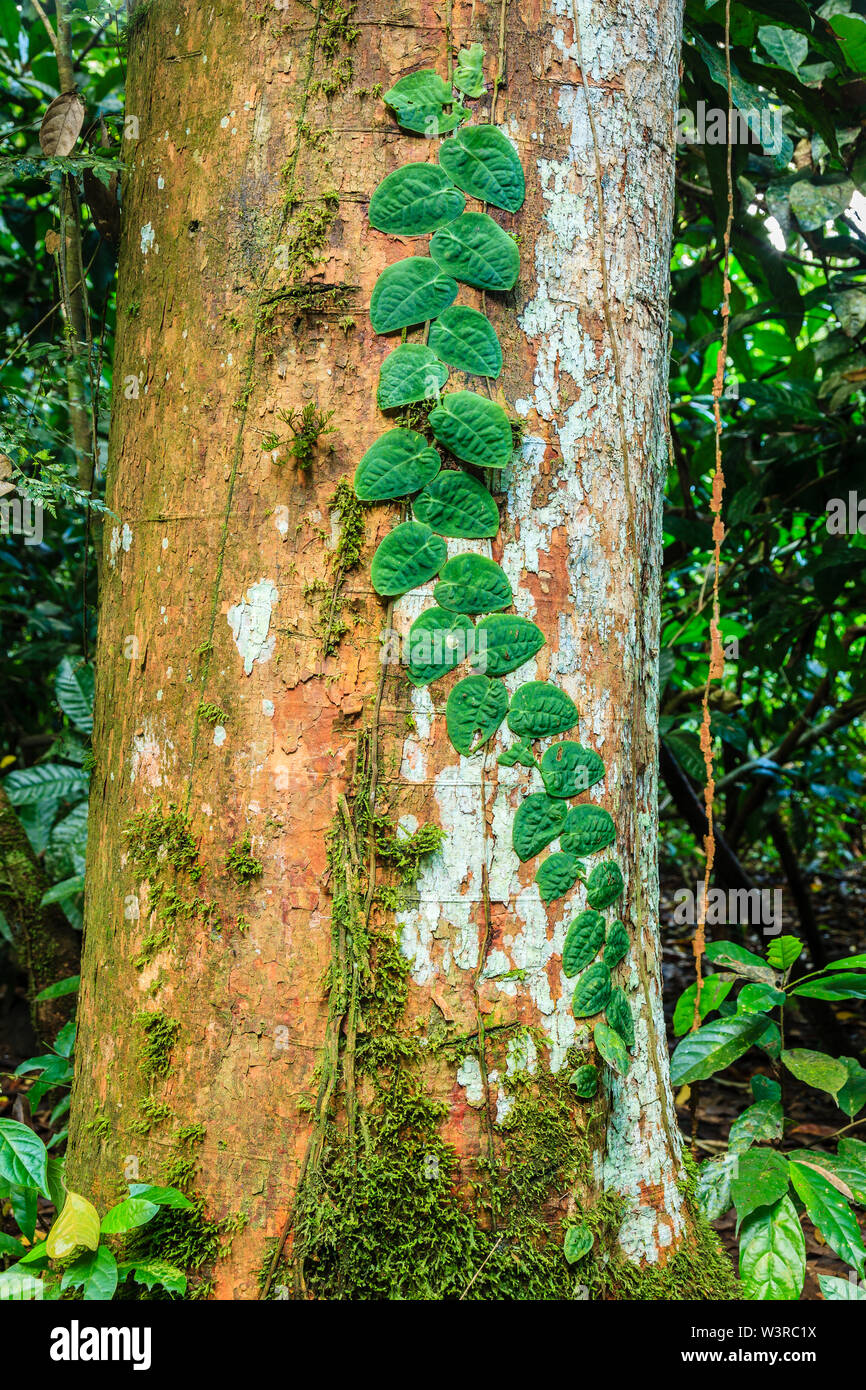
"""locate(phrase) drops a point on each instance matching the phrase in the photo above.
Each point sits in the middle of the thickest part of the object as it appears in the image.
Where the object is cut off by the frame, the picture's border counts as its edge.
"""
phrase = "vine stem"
(716, 667)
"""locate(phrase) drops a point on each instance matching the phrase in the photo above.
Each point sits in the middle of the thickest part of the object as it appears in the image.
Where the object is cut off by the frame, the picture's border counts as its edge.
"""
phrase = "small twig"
(479, 1269)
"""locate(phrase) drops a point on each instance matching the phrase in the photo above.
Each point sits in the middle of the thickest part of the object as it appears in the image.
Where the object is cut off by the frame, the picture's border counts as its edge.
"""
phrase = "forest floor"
(813, 1118)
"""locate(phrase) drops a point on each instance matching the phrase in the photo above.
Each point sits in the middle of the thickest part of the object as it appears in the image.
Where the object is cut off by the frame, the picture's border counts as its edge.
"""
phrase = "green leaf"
(465, 339)
(714, 990)
(11, 1247)
(58, 991)
(126, 1215)
(407, 557)
(604, 884)
(473, 428)
(409, 292)
(567, 768)
(765, 1088)
(816, 1069)
(829, 1213)
(591, 992)
(773, 1252)
(782, 952)
(469, 73)
(456, 504)
(848, 963)
(687, 751)
(61, 892)
(729, 955)
(475, 709)
(814, 204)
(473, 584)
(609, 1043)
(850, 30)
(477, 251)
(852, 1097)
(760, 1179)
(758, 1123)
(96, 1273)
(585, 1081)
(162, 1196)
(401, 461)
(438, 641)
(760, 999)
(43, 781)
(714, 1047)
(77, 1225)
(539, 709)
(556, 875)
(713, 1190)
(587, 829)
(150, 1272)
(73, 686)
(519, 752)
(538, 821)
(502, 643)
(412, 372)
(419, 100)
(786, 47)
(582, 941)
(23, 1156)
(835, 1289)
(482, 162)
(847, 985)
(619, 1016)
(617, 944)
(416, 198)
(578, 1242)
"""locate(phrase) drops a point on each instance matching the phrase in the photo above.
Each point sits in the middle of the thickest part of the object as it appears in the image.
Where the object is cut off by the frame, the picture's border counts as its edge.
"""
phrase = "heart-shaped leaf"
(412, 372)
(503, 642)
(419, 101)
(482, 162)
(475, 249)
(473, 584)
(408, 556)
(591, 992)
(540, 709)
(619, 1016)
(77, 1225)
(456, 504)
(617, 945)
(519, 752)
(408, 292)
(611, 1046)
(582, 940)
(567, 768)
(469, 73)
(604, 884)
(538, 821)
(556, 875)
(587, 829)
(438, 641)
(578, 1242)
(585, 1081)
(474, 428)
(465, 339)
(416, 198)
(401, 461)
(475, 709)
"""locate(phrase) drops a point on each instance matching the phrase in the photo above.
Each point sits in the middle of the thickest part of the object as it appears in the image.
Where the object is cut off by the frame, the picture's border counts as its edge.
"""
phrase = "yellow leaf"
(77, 1224)
(682, 1095)
(5, 762)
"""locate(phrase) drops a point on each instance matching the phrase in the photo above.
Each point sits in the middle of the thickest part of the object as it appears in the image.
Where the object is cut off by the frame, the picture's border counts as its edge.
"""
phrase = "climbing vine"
(438, 468)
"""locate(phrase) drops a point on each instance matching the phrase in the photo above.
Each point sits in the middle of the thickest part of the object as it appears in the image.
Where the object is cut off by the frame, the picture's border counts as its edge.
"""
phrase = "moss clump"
(190, 1135)
(212, 713)
(346, 555)
(151, 1113)
(337, 34)
(151, 946)
(157, 838)
(100, 1125)
(186, 1238)
(160, 1035)
(307, 426)
(240, 862)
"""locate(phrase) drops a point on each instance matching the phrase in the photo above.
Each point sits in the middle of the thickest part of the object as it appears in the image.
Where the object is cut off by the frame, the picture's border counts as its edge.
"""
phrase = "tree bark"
(240, 679)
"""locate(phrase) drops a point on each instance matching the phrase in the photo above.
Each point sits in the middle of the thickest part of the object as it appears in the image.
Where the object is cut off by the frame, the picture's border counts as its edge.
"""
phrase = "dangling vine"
(438, 467)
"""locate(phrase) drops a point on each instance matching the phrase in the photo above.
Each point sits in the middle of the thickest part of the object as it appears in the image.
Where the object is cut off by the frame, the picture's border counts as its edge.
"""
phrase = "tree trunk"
(353, 1045)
